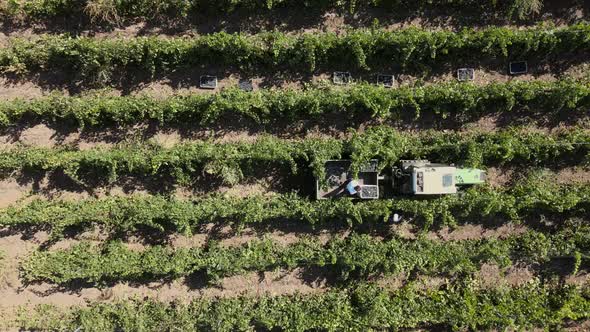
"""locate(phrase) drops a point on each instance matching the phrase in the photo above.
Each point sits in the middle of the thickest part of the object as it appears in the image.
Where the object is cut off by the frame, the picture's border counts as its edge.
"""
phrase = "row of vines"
(95, 59)
(456, 102)
(528, 198)
(356, 256)
(114, 12)
(231, 162)
(368, 274)
(364, 307)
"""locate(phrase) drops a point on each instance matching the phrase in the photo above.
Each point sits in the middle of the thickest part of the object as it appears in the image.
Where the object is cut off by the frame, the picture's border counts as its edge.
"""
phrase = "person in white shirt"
(353, 188)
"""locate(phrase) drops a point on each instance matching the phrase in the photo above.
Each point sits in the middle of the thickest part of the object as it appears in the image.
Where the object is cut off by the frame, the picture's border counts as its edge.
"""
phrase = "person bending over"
(353, 188)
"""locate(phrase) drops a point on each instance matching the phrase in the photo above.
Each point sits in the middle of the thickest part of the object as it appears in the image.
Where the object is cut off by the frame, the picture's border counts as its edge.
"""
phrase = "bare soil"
(499, 176)
(16, 189)
(252, 284)
(462, 232)
(491, 276)
(580, 279)
(476, 232)
(578, 326)
(24, 90)
(12, 192)
(573, 175)
(49, 135)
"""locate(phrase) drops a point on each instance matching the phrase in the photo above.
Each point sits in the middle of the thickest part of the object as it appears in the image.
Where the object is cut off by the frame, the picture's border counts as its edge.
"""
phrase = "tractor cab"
(421, 177)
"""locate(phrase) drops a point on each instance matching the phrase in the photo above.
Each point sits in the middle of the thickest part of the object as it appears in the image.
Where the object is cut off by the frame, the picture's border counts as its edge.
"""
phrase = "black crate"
(385, 80)
(341, 77)
(208, 82)
(465, 74)
(518, 67)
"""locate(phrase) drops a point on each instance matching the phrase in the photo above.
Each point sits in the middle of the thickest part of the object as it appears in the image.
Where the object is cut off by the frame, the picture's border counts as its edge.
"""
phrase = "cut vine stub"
(465, 74)
(208, 82)
(385, 80)
(246, 85)
(518, 67)
(342, 77)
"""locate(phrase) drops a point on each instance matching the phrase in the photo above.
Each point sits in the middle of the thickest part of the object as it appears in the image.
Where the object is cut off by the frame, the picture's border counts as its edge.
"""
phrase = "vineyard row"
(354, 257)
(529, 199)
(230, 162)
(460, 102)
(114, 12)
(98, 60)
(461, 306)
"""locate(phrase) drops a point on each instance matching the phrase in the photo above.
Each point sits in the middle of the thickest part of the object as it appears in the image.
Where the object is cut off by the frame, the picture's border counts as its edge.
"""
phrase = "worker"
(353, 188)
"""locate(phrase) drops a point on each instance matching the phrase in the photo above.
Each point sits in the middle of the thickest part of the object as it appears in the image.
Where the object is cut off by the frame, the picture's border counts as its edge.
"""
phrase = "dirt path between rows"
(187, 81)
(49, 135)
(16, 190)
(16, 248)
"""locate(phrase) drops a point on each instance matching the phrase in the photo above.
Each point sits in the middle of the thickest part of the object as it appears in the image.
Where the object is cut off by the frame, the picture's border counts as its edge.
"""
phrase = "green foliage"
(44, 317)
(454, 101)
(356, 256)
(540, 191)
(177, 9)
(577, 262)
(364, 307)
(96, 60)
(528, 199)
(523, 9)
(231, 161)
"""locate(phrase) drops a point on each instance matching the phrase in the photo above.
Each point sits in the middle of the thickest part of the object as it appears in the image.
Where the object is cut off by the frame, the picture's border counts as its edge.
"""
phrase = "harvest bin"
(338, 174)
(518, 67)
(342, 77)
(465, 74)
(385, 80)
(208, 82)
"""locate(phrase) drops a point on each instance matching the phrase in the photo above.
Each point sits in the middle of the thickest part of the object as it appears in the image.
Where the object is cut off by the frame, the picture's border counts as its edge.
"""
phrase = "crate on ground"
(245, 84)
(208, 82)
(385, 80)
(341, 77)
(518, 67)
(465, 74)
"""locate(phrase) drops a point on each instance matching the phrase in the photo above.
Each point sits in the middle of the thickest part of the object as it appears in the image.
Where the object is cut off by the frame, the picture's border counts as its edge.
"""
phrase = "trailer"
(338, 174)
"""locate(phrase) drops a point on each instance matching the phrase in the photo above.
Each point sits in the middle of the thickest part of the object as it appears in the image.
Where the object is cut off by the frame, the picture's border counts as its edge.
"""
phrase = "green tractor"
(410, 177)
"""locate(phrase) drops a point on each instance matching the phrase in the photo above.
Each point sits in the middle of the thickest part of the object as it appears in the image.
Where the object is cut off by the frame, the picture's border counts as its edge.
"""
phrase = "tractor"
(410, 177)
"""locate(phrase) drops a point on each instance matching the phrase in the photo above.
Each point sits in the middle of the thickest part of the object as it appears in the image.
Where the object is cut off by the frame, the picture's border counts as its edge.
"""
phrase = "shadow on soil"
(67, 132)
(557, 268)
(164, 183)
(132, 80)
